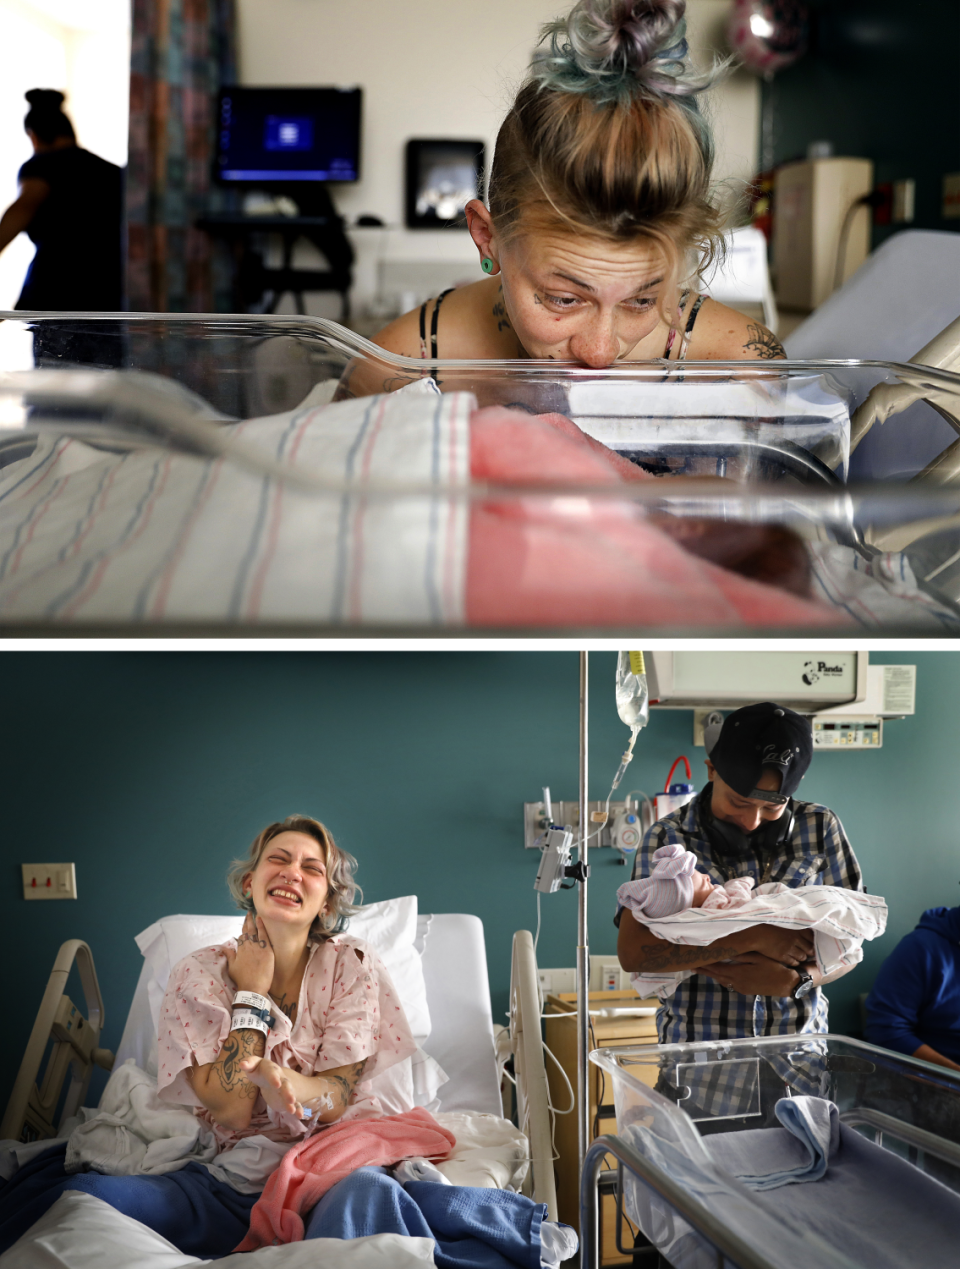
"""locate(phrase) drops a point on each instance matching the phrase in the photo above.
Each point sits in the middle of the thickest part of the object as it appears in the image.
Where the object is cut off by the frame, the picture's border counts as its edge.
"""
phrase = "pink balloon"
(768, 34)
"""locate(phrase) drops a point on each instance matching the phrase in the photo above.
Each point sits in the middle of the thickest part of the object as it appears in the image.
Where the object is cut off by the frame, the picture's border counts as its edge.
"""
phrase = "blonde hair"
(607, 138)
(340, 866)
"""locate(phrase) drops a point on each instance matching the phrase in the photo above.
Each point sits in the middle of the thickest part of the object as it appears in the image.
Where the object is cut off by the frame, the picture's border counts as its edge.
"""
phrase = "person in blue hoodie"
(914, 1006)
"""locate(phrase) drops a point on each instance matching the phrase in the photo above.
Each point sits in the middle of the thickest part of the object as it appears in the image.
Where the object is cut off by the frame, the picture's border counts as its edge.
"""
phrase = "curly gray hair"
(341, 867)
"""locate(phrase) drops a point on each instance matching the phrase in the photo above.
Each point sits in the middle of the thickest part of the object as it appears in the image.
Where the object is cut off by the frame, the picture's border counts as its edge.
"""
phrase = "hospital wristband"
(252, 998)
(248, 1022)
(263, 1014)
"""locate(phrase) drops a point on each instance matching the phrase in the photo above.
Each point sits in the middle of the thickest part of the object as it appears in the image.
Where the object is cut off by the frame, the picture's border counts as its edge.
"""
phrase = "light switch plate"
(49, 881)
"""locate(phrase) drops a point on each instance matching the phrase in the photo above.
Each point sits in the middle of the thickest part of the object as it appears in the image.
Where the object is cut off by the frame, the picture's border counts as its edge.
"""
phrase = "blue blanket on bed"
(190, 1208)
(472, 1228)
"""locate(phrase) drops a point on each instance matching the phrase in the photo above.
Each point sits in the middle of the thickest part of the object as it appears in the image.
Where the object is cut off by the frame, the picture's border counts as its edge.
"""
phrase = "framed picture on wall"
(442, 177)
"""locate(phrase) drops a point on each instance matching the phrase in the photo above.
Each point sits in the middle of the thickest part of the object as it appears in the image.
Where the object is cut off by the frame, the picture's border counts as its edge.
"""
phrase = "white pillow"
(413, 1082)
(390, 927)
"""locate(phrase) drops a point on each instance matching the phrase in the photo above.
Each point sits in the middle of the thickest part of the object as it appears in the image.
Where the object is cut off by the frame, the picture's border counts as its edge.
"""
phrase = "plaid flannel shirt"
(816, 853)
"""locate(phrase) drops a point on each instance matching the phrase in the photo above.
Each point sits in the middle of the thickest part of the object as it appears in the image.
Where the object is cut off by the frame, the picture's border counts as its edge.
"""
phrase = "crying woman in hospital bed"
(680, 904)
(271, 1053)
(274, 1034)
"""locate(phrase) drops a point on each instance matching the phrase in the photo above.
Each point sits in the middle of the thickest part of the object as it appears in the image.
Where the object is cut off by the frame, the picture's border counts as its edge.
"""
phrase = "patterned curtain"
(181, 53)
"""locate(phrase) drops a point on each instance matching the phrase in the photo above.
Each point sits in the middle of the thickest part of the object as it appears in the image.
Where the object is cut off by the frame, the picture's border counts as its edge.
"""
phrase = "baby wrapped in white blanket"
(680, 904)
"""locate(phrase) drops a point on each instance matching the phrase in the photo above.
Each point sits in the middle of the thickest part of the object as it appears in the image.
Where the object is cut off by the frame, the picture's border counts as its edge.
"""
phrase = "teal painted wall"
(880, 81)
(151, 770)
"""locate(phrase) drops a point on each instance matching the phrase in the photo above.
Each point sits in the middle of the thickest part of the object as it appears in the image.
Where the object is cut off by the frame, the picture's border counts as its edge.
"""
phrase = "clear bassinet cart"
(797, 444)
(891, 1192)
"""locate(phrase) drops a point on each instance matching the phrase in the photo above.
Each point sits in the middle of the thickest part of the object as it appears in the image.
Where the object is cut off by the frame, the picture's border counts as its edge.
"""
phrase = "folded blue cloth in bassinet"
(765, 1158)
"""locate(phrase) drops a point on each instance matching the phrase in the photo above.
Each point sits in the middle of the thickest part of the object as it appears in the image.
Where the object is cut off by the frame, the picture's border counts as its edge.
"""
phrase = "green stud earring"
(486, 264)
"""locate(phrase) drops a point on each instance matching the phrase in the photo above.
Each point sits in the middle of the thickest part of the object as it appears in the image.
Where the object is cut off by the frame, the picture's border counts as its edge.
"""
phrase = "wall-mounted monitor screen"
(442, 177)
(275, 135)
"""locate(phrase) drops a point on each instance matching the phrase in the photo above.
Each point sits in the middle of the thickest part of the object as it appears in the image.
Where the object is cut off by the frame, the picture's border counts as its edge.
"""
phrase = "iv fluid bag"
(633, 698)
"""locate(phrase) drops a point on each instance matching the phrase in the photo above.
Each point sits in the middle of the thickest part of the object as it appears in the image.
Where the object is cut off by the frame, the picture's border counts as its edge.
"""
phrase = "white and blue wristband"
(251, 1012)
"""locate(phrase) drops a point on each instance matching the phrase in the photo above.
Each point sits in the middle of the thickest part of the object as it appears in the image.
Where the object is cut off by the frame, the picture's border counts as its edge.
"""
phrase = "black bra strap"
(433, 324)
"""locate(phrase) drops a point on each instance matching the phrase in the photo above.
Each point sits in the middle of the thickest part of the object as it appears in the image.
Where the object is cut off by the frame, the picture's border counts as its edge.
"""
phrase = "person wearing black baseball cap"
(746, 823)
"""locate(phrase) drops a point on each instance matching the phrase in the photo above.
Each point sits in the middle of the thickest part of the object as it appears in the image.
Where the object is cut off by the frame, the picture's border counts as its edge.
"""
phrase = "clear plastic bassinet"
(787, 443)
(677, 1104)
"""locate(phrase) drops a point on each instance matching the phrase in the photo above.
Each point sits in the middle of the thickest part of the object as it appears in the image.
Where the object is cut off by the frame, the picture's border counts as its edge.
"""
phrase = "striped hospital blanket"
(839, 918)
(152, 535)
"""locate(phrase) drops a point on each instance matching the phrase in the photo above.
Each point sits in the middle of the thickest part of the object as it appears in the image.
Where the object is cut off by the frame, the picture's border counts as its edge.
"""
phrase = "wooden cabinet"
(607, 1029)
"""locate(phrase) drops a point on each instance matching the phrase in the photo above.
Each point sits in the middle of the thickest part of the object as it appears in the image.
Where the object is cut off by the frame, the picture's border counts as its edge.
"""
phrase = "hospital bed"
(438, 964)
(688, 1115)
(765, 443)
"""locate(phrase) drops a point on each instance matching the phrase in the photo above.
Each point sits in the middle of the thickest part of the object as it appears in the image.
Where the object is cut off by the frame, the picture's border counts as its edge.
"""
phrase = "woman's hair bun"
(617, 50)
(45, 99)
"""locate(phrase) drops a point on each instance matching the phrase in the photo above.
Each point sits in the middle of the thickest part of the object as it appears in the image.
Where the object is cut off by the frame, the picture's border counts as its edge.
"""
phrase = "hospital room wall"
(441, 69)
(151, 770)
(879, 81)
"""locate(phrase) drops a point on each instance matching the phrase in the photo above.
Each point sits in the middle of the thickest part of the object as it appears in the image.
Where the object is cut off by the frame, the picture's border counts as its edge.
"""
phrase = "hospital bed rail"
(32, 1108)
(534, 1113)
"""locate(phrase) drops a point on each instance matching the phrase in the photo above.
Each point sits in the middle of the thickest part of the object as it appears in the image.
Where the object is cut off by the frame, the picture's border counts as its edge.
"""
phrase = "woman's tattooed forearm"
(762, 343)
(345, 1082)
(237, 1046)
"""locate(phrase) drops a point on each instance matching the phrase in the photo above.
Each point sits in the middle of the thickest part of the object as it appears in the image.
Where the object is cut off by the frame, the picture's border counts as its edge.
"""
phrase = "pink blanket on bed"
(308, 1171)
(570, 561)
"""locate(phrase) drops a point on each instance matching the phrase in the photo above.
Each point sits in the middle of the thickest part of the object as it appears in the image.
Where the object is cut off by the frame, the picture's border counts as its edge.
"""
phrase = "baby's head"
(674, 884)
(702, 888)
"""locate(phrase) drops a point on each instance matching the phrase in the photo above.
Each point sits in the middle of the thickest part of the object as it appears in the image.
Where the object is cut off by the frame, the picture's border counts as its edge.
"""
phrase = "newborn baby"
(839, 918)
(676, 885)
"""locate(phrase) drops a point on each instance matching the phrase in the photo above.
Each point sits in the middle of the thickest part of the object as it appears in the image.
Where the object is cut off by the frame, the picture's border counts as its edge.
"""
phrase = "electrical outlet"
(557, 980)
(606, 974)
(49, 881)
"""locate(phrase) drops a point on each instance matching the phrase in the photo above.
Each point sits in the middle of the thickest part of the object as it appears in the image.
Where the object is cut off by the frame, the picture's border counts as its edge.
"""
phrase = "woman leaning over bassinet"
(270, 1035)
(600, 216)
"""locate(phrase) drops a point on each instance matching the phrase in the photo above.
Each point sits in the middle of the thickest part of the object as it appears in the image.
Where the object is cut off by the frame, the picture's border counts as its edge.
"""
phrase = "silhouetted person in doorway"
(70, 205)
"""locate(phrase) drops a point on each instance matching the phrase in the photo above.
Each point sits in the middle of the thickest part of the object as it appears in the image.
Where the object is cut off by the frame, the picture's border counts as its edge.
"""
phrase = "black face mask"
(733, 843)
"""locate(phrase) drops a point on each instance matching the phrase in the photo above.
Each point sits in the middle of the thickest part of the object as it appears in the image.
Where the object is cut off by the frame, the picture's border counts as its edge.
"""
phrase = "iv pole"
(583, 945)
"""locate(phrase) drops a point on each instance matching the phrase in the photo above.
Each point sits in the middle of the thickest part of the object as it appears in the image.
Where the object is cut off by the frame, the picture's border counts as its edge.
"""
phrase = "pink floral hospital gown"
(348, 1011)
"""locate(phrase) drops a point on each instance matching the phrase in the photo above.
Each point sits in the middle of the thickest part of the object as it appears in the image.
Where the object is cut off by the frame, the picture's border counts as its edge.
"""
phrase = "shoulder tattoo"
(762, 343)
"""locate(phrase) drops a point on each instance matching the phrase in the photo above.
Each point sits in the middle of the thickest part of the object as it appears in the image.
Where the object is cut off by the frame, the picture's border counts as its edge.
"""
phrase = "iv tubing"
(625, 761)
